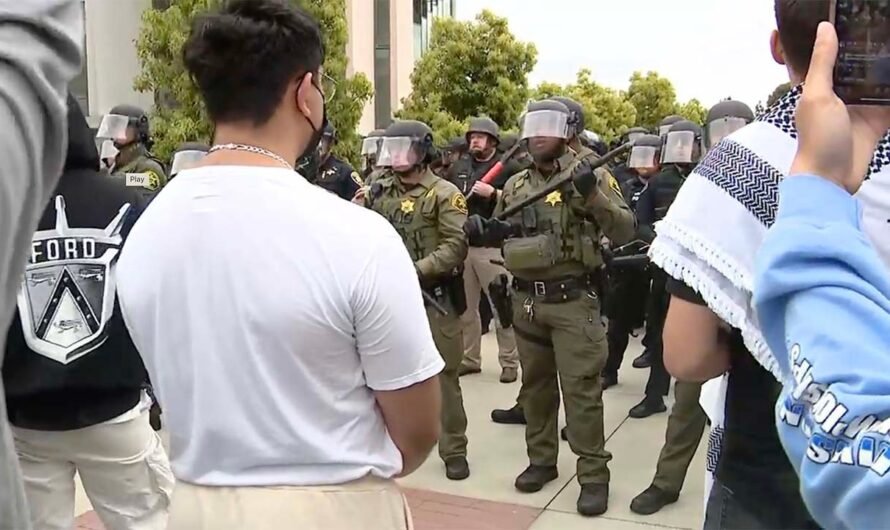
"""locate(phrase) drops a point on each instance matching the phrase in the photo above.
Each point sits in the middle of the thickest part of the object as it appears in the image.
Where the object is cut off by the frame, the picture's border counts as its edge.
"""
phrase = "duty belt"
(556, 291)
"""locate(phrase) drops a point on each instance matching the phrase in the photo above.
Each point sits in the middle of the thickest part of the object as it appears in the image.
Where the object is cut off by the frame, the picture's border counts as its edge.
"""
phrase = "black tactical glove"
(484, 232)
(585, 180)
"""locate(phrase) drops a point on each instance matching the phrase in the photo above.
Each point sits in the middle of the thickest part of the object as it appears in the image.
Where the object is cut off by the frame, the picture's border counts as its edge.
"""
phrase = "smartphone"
(862, 73)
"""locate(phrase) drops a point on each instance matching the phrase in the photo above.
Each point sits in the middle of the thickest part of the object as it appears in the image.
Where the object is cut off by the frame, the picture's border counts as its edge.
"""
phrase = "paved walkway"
(488, 501)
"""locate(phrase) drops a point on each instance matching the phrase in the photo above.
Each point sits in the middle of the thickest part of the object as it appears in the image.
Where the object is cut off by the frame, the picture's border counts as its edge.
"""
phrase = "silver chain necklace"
(252, 149)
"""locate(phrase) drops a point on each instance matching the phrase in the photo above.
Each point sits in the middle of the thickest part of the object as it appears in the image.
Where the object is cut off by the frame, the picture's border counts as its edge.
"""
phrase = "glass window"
(382, 65)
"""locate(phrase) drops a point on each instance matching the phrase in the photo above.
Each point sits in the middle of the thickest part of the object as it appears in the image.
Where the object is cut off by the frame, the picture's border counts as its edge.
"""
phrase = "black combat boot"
(512, 416)
(534, 478)
(609, 380)
(647, 407)
(644, 360)
(457, 468)
(594, 499)
(652, 500)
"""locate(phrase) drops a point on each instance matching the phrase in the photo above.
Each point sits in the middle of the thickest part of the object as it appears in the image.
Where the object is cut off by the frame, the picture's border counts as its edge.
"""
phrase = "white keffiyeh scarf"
(711, 235)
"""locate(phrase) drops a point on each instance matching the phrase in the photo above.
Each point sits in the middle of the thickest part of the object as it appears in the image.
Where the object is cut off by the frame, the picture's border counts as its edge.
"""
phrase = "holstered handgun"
(499, 292)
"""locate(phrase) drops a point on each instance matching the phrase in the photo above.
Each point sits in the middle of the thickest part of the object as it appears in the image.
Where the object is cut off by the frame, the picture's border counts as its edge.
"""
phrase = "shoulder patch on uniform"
(357, 179)
(459, 202)
(613, 183)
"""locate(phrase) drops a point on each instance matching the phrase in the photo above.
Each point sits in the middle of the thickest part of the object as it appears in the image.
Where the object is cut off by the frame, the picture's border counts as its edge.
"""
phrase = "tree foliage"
(472, 68)
(180, 116)
(778, 93)
(693, 111)
(654, 98)
(606, 112)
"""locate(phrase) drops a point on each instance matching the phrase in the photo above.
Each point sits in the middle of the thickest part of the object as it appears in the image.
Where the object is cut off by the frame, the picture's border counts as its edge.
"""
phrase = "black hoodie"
(70, 362)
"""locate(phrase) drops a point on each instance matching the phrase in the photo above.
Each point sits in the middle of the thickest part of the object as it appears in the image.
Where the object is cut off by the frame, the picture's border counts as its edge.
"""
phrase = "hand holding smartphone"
(862, 72)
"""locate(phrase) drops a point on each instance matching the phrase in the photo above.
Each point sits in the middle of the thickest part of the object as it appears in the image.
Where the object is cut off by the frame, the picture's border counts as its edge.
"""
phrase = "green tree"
(606, 112)
(693, 111)
(472, 68)
(778, 93)
(180, 115)
(653, 97)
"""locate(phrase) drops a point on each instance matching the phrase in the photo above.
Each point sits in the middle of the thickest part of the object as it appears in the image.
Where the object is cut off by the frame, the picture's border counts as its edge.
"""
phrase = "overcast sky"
(709, 49)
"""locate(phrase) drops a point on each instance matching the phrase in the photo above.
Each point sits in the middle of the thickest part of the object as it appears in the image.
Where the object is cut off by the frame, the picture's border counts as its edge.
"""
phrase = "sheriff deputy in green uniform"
(429, 214)
(553, 250)
(127, 126)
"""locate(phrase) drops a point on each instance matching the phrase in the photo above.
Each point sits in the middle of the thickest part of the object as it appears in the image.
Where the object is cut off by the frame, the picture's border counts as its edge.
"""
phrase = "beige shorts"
(366, 504)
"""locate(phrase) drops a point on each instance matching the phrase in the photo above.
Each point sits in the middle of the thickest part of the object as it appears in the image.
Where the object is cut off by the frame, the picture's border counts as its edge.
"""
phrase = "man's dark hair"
(243, 57)
(797, 21)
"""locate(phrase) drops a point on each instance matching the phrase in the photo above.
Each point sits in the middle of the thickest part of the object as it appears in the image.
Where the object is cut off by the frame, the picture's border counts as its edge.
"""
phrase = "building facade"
(386, 37)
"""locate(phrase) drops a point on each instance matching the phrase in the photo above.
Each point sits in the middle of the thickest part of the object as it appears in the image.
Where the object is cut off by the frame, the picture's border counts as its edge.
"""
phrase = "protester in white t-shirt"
(283, 328)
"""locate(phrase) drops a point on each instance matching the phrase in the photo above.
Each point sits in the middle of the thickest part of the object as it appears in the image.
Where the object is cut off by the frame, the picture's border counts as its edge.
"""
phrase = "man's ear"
(775, 45)
(303, 92)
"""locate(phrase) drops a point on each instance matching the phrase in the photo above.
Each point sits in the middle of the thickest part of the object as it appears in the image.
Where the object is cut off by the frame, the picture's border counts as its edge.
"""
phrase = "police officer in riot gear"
(128, 127)
(429, 214)
(687, 420)
(333, 174)
(680, 152)
(187, 156)
(370, 150)
(552, 249)
(667, 123)
(482, 138)
(620, 168)
(631, 284)
(725, 118)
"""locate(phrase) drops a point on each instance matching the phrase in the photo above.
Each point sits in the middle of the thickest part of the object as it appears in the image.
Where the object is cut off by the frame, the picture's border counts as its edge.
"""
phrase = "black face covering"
(315, 139)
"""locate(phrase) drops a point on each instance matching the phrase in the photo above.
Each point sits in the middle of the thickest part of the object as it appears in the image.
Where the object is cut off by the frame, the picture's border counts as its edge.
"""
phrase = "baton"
(553, 186)
(437, 307)
(498, 167)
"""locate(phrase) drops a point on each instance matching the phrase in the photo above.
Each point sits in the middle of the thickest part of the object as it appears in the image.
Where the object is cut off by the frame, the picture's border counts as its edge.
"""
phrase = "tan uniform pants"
(366, 504)
(479, 272)
(123, 468)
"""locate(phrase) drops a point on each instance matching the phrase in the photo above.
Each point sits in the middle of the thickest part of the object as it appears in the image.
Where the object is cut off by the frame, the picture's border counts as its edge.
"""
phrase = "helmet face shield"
(545, 124)
(632, 137)
(370, 146)
(679, 147)
(643, 156)
(185, 160)
(399, 152)
(113, 127)
(720, 129)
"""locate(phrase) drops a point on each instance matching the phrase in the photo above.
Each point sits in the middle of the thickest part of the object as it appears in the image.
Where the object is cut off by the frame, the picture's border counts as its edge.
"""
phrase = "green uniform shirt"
(139, 169)
(430, 218)
(562, 232)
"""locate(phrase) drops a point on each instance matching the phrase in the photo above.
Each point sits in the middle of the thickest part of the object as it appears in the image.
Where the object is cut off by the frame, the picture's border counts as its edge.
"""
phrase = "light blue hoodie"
(823, 302)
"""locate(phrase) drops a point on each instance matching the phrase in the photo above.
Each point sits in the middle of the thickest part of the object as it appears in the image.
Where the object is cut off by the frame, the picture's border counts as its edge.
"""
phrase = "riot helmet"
(124, 125)
(327, 142)
(509, 141)
(634, 133)
(484, 125)
(681, 144)
(546, 126)
(546, 119)
(725, 118)
(645, 155)
(667, 123)
(407, 144)
(187, 156)
(594, 142)
(576, 114)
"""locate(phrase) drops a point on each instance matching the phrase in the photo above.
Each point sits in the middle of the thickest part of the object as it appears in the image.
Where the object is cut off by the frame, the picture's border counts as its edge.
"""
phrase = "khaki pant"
(685, 427)
(563, 345)
(366, 504)
(479, 272)
(123, 468)
(447, 336)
